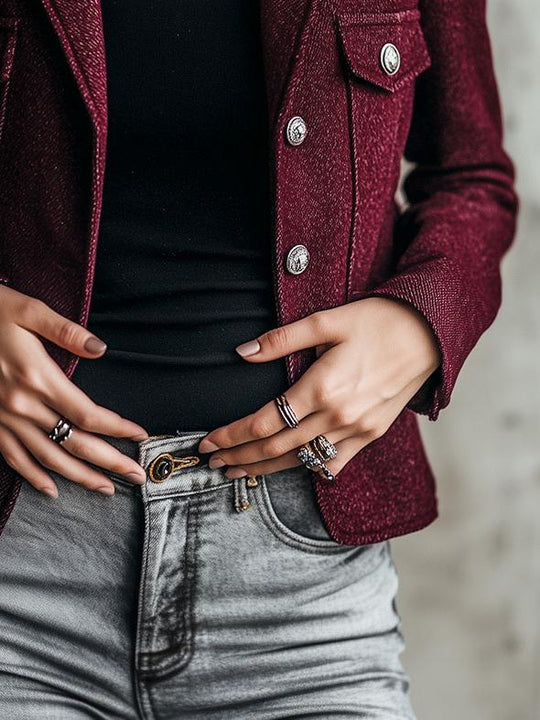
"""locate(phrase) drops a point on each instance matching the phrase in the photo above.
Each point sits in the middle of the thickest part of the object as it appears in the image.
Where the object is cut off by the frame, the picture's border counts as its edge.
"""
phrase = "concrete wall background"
(470, 584)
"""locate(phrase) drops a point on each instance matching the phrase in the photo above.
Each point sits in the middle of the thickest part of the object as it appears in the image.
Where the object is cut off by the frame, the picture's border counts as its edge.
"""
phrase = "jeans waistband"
(175, 467)
(173, 463)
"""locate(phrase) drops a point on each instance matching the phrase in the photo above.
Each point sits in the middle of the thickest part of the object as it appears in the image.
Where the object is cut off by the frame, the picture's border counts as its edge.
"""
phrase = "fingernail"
(95, 345)
(216, 462)
(235, 473)
(207, 446)
(50, 492)
(138, 477)
(248, 348)
(106, 490)
(139, 437)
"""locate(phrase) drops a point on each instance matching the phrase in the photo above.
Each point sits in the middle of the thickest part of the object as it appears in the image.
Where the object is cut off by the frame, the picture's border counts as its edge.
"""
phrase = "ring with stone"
(313, 462)
(325, 449)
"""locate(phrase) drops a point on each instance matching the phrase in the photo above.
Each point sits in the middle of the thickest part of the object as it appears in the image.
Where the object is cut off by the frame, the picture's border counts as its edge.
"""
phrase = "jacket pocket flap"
(367, 40)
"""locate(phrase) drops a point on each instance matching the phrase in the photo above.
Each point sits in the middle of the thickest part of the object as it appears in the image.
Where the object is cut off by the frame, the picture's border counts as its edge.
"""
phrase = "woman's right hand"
(35, 392)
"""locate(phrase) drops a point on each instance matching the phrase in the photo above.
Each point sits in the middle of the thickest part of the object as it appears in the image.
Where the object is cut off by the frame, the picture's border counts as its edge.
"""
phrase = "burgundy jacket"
(334, 193)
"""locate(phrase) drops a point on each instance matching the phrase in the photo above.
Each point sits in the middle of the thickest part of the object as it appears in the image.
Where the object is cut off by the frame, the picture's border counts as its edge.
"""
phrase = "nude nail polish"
(248, 348)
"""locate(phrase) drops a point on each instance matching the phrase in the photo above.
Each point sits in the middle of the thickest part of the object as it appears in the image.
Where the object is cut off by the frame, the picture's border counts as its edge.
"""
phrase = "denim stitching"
(164, 668)
(288, 537)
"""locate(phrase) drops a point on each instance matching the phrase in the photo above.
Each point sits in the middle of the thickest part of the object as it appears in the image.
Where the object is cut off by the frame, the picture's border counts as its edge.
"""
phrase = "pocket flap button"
(390, 58)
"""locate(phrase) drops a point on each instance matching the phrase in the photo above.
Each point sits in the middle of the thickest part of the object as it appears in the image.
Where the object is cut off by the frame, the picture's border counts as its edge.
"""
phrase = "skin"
(372, 357)
(34, 392)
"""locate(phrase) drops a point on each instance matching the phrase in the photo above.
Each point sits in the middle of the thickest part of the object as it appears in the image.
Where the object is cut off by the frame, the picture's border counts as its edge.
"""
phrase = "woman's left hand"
(372, 357)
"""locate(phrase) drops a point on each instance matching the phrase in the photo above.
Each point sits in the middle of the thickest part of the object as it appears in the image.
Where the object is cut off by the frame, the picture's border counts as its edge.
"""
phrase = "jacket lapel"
(78, 26)
(282, 24)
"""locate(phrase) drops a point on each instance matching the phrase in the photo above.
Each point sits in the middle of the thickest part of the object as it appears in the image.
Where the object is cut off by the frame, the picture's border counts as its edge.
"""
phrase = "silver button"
(297, 259)
(390, 58)
(296, 130)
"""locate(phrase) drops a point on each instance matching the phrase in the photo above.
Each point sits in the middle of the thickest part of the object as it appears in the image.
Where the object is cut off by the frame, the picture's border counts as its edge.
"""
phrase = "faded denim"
(170, 601)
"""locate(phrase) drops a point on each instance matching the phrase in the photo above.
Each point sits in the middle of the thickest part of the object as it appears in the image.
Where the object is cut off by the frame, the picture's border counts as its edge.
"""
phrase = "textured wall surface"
(470, 584)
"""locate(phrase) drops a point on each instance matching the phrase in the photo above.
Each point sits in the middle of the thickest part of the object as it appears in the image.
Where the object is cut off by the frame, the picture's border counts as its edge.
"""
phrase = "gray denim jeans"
(197, 597)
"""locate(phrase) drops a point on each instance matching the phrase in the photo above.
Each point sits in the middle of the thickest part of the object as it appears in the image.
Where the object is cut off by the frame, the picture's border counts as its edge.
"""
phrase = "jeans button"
(161, 467)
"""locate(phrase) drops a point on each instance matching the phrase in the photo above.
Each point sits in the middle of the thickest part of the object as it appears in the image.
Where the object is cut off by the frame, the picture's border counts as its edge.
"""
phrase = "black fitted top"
(183, 269)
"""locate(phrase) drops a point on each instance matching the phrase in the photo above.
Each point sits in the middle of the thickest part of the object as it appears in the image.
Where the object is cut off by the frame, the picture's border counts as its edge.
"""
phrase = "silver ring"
(313, 462)
(286, 411)
(323, 447)
(61, 431)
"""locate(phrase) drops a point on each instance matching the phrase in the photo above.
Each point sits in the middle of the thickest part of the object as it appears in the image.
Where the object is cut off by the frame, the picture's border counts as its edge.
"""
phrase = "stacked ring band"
(286, 411)
(323, 447)
(313, 462)
(61, 431)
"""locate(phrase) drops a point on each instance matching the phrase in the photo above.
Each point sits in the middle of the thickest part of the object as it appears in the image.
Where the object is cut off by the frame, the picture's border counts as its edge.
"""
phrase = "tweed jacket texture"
(440, 251)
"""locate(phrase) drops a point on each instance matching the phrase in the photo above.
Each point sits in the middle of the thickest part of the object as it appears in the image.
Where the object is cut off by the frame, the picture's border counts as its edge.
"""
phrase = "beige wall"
(470, 584)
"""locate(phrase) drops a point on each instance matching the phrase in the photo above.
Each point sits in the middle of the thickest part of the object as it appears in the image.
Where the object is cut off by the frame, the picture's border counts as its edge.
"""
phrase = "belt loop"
(241, 501)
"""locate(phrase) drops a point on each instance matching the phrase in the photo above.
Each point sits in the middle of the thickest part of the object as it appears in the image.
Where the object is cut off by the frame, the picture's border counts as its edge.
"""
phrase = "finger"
(314, 329)
(18, 458)
(280, 443)
(53, 456)
(264, 423)
(102, 454)
(68, 400)
(346, 450)
(87, 446)
(308, 395)
(37, 316)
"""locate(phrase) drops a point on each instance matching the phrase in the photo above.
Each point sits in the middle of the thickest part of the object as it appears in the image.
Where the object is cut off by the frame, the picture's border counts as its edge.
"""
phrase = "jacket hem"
(387, 533)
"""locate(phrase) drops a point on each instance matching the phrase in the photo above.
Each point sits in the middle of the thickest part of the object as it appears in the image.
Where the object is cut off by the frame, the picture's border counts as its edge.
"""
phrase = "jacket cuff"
(434, 291)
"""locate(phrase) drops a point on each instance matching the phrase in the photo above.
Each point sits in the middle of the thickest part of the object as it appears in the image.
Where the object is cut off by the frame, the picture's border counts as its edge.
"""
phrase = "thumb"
(43, 320)
(312, 330)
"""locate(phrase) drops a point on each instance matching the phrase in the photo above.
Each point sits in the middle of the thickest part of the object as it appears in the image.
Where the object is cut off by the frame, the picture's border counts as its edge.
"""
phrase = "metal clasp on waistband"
(241, 485)
(163, 466)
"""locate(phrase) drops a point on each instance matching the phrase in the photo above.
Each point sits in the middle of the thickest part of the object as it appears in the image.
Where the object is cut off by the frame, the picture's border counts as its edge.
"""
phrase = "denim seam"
(186, 600)
(144, 589)
(141, 687)
(188, 493)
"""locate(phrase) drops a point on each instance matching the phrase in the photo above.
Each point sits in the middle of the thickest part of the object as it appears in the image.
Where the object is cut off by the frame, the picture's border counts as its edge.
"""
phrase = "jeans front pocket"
(287, 506)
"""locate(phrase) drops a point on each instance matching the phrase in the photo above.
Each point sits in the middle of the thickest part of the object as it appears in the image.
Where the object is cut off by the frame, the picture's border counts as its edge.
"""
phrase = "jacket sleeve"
(462, 205)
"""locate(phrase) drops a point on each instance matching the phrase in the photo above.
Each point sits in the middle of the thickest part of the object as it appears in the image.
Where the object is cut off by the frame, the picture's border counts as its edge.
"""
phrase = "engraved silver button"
(297, 259)
(390, 58)
(296, 130)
